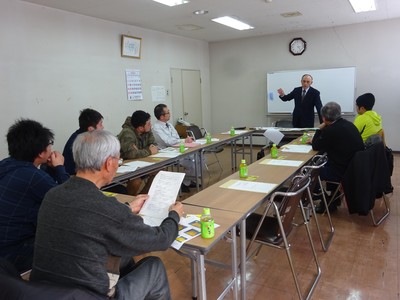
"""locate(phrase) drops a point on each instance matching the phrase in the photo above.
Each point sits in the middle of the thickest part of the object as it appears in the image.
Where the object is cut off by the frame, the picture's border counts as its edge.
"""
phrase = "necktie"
(303, 95)
(166, 124)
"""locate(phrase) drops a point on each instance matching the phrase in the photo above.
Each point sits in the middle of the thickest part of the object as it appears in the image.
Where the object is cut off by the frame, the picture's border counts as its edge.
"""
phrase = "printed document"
(162, 195)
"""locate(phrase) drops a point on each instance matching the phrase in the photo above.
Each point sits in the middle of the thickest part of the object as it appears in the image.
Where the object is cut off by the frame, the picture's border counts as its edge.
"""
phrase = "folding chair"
(273, 230)
(313, 170)
(196, 132)
(366, 179)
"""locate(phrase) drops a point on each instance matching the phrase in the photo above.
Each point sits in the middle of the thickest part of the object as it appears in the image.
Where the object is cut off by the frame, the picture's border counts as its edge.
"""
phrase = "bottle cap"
(206, 211)
(273, 145)
(243, 161)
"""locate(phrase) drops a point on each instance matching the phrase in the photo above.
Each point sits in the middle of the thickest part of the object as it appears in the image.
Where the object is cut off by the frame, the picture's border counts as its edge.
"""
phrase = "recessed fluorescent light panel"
(231, 22)
(363, 5)
(172, 2)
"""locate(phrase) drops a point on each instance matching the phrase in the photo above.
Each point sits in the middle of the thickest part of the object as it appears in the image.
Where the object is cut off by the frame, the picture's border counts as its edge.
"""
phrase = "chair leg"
(327, 243)
(385, 214)
(318, 267)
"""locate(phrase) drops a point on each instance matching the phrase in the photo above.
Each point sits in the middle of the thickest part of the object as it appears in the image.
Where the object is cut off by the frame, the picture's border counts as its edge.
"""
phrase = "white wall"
(54, 63)
(238, 70)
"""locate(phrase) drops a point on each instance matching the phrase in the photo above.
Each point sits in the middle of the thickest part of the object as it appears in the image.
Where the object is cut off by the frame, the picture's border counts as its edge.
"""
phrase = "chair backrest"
(194, 131)
(291, 200)
(284, 123)
(313, 170)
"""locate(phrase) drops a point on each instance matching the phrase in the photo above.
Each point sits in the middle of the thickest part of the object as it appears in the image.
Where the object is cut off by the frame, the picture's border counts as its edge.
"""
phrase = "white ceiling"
(263, 15)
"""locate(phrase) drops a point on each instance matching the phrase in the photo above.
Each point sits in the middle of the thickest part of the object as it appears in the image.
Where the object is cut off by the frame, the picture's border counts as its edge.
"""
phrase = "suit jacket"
(303, 113)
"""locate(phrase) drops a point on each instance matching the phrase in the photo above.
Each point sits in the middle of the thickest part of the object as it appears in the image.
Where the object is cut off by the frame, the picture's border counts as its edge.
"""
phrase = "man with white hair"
(86, 239)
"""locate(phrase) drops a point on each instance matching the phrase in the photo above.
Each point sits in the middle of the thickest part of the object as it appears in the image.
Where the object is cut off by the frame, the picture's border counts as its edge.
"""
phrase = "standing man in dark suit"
(305, 99)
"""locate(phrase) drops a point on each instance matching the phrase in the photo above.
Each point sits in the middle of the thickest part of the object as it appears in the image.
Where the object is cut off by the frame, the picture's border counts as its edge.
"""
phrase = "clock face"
(297, 46)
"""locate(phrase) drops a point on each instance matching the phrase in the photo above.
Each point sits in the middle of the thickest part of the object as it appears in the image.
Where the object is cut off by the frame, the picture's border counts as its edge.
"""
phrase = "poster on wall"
(133, 85)
(158, 93)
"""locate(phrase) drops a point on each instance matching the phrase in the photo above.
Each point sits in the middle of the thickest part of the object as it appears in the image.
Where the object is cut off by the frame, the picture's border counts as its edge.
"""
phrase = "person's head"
(96, 150)
(365, 102)
(28, 140)
(161, 112)
(90, 119)
(330, 112)
(306, 81)
(141, 121)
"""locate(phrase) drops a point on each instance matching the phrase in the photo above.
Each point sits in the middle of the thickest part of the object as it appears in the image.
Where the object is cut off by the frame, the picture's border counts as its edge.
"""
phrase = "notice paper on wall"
(133, 85)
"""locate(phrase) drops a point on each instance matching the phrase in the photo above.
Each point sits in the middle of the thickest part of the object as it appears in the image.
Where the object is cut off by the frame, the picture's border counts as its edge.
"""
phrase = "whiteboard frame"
(340, 80)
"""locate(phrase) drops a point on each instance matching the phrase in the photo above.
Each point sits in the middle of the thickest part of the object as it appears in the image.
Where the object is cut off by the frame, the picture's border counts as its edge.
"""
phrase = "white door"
(186, 96)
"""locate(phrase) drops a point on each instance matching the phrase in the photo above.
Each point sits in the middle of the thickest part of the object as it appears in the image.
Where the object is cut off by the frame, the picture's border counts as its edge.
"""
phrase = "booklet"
(162, 194)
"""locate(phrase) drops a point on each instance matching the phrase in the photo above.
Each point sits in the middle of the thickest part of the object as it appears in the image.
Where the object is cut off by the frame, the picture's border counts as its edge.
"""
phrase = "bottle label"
(243, 172)
(274, 152)
(207, 229)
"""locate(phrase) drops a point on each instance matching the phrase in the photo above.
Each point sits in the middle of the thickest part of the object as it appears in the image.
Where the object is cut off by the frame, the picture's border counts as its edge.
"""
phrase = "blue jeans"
(147, 280)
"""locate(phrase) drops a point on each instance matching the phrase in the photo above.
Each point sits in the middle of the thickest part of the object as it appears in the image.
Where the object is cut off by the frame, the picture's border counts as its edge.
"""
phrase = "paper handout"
(274, 135)
(162, 195)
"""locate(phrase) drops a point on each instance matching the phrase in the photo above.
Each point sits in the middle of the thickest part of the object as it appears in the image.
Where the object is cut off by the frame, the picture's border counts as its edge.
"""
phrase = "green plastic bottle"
(304, 138)
(274, 151)
(243, 169)
(208, 138)
(207, 224)
(232, 131)
(182, 146)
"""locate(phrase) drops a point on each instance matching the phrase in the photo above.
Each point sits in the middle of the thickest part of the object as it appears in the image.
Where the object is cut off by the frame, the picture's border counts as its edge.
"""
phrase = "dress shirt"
(165, 134)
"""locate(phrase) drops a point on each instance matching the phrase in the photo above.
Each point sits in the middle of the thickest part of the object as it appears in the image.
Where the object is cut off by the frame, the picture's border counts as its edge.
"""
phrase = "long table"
(163, 162)
(244, 203)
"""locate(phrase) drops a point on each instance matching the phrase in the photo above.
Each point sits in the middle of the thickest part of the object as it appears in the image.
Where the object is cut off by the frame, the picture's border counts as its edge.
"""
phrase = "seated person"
(340, 139)
(368, 122)
(137, 141)
(166, 136)
(23, 186)
(89, 119)
(87, 239)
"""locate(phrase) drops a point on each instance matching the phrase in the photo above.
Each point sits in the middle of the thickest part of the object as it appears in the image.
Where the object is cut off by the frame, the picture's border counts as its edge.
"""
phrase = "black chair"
(196, 132)
(273, 230)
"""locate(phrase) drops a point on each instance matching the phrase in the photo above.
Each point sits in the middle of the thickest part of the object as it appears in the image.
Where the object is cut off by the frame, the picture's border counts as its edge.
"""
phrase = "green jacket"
(134, 145)
(368, 123)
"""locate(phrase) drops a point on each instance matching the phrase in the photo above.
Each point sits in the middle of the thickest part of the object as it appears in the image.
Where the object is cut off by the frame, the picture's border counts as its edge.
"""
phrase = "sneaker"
(185, 188)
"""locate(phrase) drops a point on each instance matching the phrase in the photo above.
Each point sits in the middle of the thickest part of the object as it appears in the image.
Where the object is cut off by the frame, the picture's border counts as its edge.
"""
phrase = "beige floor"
(362, 262)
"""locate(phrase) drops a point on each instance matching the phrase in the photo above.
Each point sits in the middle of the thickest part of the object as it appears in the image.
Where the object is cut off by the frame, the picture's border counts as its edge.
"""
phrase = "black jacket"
(303, 113)
(340, 140)
(366, 177)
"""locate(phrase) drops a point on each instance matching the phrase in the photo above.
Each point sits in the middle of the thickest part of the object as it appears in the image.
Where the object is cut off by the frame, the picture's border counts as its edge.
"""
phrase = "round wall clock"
(297, 46)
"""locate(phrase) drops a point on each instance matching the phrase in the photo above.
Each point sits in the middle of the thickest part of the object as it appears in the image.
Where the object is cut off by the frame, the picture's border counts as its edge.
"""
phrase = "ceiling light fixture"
(172, 2)
(233, 23)
(363, 5)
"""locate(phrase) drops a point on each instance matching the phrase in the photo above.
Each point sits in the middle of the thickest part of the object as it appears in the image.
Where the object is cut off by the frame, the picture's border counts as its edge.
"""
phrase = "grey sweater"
(79, 229)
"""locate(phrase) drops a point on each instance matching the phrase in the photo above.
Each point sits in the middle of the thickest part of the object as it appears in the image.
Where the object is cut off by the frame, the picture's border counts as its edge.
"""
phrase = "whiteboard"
(337, 84)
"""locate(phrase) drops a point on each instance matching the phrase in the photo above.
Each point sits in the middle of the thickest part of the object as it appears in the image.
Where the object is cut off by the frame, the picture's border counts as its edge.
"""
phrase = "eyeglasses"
(51, 142)
(166, 113)
(120, 160)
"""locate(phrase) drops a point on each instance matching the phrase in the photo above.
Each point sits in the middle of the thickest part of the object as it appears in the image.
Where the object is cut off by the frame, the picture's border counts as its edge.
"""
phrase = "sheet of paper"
(249, 186)
(162, 195)
(133, 166)
(168, 154)
(189, 145)
(296, 148)
(236, 132)
(203, 141)
(274, 135)
(282, 162)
